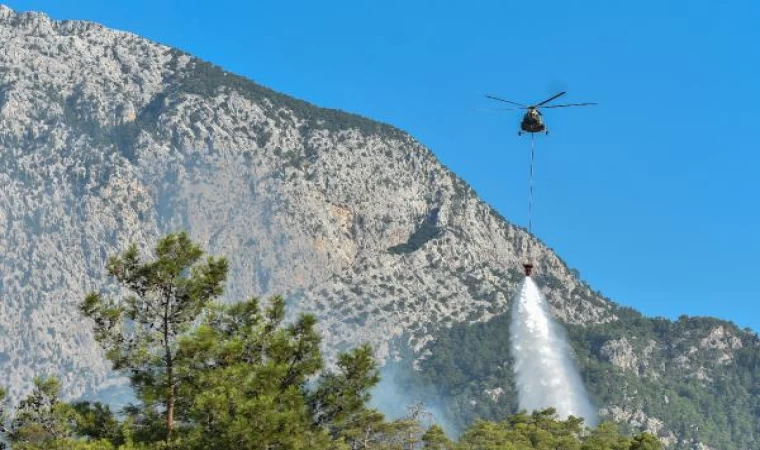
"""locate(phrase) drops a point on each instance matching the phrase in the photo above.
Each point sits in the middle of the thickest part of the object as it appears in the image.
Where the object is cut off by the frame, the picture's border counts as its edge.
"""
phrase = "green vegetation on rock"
(214, 376)
(698, 379)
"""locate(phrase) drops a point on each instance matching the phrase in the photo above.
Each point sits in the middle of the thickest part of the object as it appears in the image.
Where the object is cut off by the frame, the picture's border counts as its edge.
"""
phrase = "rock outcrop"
(107, 138)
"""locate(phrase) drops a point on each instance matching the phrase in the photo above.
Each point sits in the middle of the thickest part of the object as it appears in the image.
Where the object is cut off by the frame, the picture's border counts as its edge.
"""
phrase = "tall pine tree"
(140, 332)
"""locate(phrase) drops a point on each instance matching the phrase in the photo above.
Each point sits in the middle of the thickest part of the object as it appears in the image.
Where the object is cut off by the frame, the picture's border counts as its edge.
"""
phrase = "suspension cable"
(530, 188)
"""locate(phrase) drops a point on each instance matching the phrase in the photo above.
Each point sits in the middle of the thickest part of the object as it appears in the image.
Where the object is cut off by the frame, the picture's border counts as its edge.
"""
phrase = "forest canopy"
(239, 376)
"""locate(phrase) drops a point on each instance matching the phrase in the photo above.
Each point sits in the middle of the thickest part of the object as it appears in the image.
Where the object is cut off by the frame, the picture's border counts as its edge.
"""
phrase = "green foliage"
(263, 429)
(368, 430)
(41, 418)
(724, 412)
(141, 332)
(238, 379)
(435, 439)
(206, 79)
(3, 417)
(542, 430)
(241, 377)
(245, 381)
(365, 430)
(342, 395)
(97, 422)
(465, 360)
(606, 436)
(645, 441)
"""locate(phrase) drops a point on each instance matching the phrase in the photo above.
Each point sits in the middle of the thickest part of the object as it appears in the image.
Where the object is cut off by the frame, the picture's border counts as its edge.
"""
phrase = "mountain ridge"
(120, 123)
(107, 139)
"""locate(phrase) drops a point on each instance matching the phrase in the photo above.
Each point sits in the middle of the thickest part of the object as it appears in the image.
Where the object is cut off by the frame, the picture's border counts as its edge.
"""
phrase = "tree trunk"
(169, 376)
(169, 402)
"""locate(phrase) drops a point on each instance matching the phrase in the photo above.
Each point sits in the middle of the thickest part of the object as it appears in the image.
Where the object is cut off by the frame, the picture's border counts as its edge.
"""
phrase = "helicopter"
(532, 121)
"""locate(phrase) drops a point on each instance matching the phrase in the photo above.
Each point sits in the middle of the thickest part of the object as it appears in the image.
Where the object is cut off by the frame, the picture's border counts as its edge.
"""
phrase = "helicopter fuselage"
(532, 122)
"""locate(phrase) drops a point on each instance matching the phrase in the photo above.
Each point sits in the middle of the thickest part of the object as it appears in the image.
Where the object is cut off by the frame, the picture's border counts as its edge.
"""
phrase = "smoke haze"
(392, 399)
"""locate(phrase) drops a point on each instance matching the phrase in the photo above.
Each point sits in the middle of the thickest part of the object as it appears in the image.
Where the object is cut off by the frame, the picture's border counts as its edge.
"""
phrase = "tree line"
(239, 376)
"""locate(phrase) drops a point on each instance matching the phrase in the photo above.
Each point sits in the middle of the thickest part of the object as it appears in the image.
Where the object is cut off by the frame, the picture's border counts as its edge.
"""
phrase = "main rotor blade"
(550, 99)
(497, 109)
(568, 104)
(506, 101)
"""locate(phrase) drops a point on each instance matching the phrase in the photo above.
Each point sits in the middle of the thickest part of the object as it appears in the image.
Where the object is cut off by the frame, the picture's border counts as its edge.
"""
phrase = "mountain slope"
(692, 382)
(107, 139)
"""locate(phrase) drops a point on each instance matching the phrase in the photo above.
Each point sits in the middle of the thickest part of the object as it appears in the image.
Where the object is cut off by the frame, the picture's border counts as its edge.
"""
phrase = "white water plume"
(545, 373)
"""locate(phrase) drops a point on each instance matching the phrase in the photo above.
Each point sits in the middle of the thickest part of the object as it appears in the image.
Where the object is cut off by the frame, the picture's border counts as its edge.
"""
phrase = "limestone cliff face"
(107, 138)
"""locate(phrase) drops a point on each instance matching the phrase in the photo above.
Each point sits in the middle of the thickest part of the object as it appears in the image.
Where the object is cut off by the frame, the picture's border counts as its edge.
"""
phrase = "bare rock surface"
(107, 138)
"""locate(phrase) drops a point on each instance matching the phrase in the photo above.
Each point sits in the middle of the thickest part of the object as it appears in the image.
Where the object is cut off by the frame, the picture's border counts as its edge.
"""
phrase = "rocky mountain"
(694, 382)
(107, 138)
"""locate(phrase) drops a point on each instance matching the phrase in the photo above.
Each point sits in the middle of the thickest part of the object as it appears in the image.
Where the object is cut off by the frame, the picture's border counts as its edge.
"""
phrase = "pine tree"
(435, 439)
(342, 394)
(646, 441)
(606, 436)
(41, 418)
(246, 381)
(340, 401)
(97, 422)
(141, 331)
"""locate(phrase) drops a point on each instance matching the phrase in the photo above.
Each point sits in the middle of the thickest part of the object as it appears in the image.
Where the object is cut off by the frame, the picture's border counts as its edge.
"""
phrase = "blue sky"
(652, 195)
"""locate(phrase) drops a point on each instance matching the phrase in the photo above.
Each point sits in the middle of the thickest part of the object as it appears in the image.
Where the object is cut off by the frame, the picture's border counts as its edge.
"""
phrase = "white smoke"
(545, 373)
(393, 397)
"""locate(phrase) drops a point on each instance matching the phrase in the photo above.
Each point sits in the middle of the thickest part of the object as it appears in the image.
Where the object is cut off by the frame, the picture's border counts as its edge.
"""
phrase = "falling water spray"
(545, 373)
